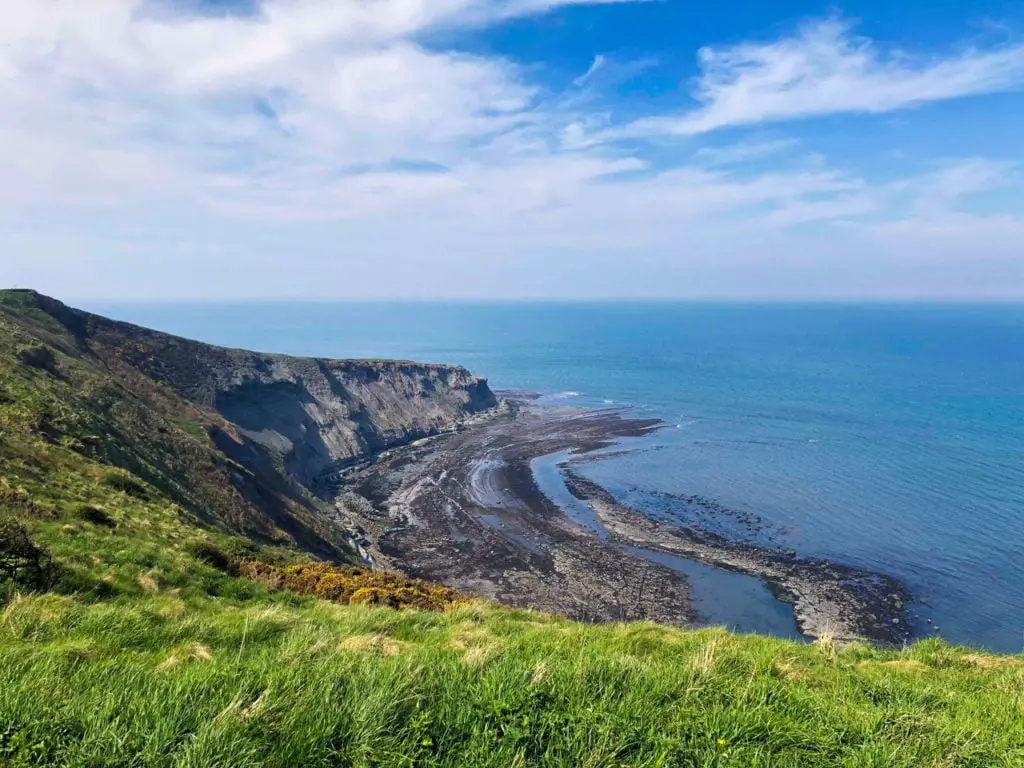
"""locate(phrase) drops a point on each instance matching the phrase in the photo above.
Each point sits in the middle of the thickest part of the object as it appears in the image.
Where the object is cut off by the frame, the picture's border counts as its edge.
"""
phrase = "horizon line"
(578, 300)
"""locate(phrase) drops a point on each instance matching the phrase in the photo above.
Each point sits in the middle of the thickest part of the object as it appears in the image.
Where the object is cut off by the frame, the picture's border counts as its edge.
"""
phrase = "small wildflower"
(722, 743)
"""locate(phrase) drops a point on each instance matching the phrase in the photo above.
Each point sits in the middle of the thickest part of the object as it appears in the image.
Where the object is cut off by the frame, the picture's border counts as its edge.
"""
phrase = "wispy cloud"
(596, 64)
(743, 152)
(825, 69)
(338, 116)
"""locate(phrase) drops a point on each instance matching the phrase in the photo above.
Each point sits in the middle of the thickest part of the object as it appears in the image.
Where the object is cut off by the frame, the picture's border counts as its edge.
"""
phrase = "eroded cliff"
(276, 424)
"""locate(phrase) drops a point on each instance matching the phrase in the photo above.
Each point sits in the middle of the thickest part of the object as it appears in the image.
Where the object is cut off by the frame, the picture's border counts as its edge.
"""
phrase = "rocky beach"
(465, 509)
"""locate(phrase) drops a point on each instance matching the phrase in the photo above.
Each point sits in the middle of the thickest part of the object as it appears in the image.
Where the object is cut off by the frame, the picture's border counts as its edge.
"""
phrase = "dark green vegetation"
(126, 640)
(83, 423)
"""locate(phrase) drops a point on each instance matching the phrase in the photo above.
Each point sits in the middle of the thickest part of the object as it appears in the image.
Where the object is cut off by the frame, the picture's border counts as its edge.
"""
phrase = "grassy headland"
(148, 644)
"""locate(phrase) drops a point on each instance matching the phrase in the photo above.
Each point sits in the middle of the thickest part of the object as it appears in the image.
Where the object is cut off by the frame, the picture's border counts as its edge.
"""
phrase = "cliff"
(314, 413)
(275, 424)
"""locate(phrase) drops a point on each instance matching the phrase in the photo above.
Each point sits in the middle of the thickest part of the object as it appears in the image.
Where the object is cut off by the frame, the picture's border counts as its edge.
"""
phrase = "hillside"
(237, 439)
(166, 605)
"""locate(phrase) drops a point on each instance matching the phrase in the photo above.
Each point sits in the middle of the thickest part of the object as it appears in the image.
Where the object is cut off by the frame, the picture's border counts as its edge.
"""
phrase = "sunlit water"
(885, 437)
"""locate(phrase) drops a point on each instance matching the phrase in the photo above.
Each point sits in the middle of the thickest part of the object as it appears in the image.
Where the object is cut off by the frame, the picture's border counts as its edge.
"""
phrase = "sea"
(883, 436)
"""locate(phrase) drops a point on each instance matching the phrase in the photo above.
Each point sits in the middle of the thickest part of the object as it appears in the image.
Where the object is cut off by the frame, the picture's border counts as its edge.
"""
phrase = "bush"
(351, 584)
(213, 555)
(39, 357)
(95, 515)
(21, 561)
(18, 499)
(373, 596)
(122, 481)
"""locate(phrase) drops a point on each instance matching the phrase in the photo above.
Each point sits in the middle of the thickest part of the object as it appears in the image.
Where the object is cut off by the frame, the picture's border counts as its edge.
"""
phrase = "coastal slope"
(328, 455)
(165, 604)
(240, 439)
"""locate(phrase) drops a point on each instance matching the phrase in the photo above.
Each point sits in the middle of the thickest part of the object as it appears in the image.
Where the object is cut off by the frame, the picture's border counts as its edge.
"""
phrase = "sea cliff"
(273, 425)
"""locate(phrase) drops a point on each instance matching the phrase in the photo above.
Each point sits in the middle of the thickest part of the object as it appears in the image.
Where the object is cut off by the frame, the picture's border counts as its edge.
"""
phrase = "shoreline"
(828, 599)
(465, 509)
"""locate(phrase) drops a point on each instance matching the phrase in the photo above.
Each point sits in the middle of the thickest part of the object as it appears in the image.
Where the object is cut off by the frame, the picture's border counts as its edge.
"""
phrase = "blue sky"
(512, 149)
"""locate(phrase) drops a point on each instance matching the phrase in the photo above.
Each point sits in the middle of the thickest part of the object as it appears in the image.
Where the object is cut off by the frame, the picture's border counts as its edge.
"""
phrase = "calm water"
(886, 437)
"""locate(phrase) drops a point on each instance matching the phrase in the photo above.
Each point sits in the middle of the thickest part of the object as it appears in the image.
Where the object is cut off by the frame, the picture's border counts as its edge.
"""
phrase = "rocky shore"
(419, 467)
(828, 599)
(465, 509)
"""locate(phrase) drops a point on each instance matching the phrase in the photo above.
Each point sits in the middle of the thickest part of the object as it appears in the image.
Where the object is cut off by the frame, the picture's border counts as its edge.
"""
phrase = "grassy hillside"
(77, 419)
(145, 644)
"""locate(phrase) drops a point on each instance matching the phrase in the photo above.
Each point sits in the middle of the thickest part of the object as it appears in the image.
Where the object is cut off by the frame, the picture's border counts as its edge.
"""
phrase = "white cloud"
(596, 64)
(742, 152)
(824, 69)
(328, 131)
(338, 84)
(939, 191)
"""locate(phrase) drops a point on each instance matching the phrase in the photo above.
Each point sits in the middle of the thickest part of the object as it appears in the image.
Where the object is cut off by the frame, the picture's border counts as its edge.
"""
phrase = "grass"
(277, 680)
(192, 427)
(89, 410)
(148, 651)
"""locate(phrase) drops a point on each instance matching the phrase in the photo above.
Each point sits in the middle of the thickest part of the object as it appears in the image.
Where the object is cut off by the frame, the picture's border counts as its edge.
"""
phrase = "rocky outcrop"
(315, 414)
(320, 414)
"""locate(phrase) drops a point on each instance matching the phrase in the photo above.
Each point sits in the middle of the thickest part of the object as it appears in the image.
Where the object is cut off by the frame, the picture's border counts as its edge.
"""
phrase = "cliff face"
(278, 423)
(316, 414)
(322, 413)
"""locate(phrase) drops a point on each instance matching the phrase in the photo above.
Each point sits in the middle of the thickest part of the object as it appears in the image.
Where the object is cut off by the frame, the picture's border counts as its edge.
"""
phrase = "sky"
(508, 149)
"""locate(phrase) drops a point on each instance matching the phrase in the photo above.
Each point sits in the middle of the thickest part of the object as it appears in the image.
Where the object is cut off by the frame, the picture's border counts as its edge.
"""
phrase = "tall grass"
(284, 681)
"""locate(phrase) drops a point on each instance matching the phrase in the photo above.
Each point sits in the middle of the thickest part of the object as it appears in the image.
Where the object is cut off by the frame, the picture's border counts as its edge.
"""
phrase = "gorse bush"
(95, 515)
(212, 555)
(352, 585)
(39, 357)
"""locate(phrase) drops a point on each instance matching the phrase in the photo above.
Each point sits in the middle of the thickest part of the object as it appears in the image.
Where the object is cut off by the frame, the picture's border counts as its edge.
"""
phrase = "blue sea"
(887, 437)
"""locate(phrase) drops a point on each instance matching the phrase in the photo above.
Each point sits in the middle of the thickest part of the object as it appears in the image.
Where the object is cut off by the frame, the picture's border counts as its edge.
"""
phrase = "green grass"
(279, 681)
(192, 427)
(144, 654)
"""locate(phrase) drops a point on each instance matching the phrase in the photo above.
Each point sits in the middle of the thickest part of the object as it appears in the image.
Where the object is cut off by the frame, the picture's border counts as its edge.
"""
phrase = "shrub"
(213, 555)
(351, 584)
(17, 499)
(373, 596)
(21, 561)
(39, 357)
(95, 515)
(122, 481)
(269, 575)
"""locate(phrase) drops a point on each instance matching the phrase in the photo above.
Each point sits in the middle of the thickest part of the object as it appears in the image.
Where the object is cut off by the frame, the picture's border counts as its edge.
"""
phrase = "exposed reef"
(828, 599)
(466, 510)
